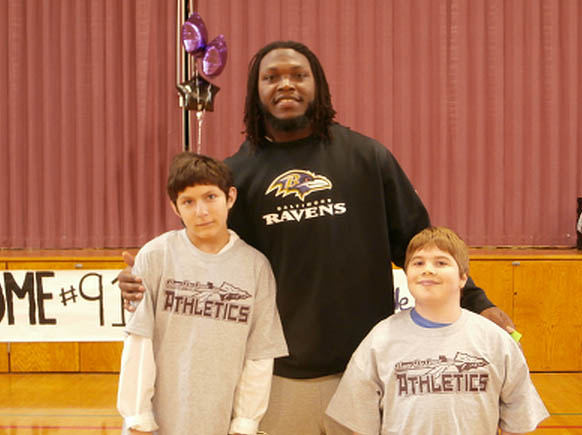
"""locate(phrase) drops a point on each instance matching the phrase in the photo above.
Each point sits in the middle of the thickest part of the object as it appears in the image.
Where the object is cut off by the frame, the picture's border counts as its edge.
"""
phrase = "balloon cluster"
(197, 92)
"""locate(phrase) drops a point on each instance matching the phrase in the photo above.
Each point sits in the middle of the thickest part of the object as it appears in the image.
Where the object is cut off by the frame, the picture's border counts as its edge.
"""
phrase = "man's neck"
(288, 136)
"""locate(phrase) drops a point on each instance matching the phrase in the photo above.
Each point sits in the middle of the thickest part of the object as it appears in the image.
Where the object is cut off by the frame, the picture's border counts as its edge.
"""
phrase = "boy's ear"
(175, 209)
(464, 278)
(231, 198)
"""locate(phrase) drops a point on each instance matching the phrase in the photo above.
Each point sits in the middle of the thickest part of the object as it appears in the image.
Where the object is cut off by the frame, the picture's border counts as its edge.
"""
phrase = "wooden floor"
(85, 403)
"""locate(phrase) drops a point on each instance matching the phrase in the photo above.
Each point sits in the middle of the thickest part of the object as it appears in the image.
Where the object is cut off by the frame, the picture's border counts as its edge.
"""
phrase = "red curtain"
(478, 99)
(88, 121)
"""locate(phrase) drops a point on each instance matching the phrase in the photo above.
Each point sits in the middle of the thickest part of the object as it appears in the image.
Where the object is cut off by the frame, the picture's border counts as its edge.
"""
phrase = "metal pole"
(182, 70)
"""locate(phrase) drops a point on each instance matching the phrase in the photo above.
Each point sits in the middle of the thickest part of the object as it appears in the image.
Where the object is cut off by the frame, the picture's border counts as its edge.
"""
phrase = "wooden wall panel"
(100, 357)
(44, 357)
(4, 365)
(548, 304)
(539, 289)
(496, 278)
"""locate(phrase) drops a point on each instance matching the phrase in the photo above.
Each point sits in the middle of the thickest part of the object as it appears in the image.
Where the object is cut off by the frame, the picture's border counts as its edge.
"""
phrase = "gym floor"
(85, 403)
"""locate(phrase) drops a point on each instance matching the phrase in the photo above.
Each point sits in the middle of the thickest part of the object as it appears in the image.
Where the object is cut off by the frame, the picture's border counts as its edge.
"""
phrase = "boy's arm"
(251, 397)
(510, 433)
(136, 384)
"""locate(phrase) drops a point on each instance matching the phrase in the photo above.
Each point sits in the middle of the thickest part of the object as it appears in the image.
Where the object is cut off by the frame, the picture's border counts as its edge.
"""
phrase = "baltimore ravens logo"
(299, 183)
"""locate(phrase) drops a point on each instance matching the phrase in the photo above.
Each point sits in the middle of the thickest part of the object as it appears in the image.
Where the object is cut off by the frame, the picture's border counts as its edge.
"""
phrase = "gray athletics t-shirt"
(465, 378)
(206, 314)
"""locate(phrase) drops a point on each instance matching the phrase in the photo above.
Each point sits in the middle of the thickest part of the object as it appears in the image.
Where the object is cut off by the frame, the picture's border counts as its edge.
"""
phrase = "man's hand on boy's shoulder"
(129, 284)
(499, 317)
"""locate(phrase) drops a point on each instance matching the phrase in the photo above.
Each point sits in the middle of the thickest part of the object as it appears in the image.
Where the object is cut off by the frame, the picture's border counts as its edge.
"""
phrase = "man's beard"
(290, 124)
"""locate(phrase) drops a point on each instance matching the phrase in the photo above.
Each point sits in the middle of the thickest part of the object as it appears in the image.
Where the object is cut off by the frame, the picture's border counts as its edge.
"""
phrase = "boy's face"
(434, 278)
(204, 211)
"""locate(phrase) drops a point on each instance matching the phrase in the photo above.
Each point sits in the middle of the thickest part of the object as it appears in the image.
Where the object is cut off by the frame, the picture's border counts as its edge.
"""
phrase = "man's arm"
(499, 317)
(406, 217)
(475, 299)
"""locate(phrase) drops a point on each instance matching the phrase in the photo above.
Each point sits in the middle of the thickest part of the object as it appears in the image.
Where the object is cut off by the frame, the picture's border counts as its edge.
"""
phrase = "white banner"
(403, 300)
(83, 305)
(60, 305)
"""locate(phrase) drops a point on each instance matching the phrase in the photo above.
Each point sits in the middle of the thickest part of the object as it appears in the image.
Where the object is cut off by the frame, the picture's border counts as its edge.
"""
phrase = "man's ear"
(231, 198)
(175, 209)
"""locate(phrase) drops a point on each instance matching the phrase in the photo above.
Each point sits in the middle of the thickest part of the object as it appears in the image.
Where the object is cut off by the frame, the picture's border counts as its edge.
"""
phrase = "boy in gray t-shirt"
(198, 357)
(437, 369)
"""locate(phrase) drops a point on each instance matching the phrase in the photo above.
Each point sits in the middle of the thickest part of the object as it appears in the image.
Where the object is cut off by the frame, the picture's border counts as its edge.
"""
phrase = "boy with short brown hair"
(437, 369)
(198, 358)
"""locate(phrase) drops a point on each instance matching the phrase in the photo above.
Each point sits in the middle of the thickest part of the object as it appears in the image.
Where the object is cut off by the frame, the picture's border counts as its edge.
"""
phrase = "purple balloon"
(194, 34)
(214, 58)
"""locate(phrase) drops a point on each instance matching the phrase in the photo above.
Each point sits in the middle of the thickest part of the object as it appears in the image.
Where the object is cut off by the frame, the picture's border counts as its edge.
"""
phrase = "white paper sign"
(60, 305)
(83, 305)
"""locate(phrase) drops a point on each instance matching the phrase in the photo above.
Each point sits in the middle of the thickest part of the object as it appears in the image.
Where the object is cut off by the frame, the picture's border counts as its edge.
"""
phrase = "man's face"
(286, 85)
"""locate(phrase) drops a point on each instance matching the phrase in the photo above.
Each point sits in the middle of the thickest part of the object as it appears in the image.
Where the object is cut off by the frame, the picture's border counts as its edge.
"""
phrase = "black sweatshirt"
(330, 217)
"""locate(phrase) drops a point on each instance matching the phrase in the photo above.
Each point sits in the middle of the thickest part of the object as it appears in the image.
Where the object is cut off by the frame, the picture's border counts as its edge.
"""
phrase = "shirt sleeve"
(357, 401)
(266, 338)
(141, 322)
(520, 407)
(407, 216)
(136, 383)
(251, 397)
(405, 213)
